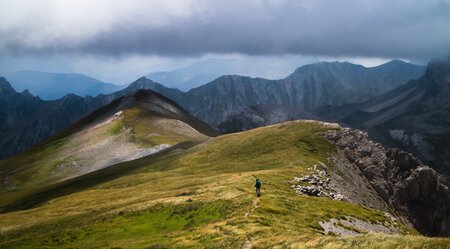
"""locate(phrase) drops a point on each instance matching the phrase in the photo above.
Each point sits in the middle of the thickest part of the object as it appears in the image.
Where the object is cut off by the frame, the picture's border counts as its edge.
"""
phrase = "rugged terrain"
(27, 120)
(202, 196)
(416, 191)
(310, 88)
(414, 117)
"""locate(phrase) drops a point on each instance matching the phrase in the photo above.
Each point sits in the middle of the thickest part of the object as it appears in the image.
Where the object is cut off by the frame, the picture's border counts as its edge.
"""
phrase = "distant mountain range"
(27, 120)
(51, 86)
(205, 71)
(197, 74)
(311, 88)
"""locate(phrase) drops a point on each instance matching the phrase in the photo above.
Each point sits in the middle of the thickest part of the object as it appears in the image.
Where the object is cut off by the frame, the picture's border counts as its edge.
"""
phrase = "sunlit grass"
(203, 197)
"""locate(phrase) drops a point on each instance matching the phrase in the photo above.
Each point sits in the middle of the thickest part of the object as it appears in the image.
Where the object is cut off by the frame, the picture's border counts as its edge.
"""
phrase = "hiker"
(258, 187)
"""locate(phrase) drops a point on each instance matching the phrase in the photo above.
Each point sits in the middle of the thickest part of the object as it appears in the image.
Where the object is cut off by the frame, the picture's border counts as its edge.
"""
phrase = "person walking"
(258, 187)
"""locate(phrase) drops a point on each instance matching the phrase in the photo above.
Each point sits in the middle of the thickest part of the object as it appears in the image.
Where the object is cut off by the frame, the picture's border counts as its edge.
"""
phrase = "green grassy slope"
(77, 153)
(203, 197)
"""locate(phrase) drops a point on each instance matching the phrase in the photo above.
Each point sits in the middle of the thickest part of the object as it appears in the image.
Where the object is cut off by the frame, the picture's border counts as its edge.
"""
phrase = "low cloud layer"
(413, 29)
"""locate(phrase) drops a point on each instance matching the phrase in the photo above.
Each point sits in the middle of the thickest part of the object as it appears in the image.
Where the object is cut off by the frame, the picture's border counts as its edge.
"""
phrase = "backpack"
(258, 183)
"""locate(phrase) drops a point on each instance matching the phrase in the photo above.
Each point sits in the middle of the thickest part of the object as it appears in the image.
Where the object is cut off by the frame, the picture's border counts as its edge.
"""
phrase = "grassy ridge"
(203, 197)
(47, 165)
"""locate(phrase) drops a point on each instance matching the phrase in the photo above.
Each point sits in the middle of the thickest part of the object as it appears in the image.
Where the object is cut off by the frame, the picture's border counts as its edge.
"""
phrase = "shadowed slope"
(131, 127)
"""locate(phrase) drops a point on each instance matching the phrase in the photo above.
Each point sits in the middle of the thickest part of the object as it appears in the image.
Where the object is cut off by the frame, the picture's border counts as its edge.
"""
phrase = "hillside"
(52, 86)
(28, 120)
(131, 127)
(203, 197)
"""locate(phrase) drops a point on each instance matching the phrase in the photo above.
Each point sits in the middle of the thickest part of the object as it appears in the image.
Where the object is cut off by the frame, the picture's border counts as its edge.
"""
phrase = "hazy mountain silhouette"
(51, 86)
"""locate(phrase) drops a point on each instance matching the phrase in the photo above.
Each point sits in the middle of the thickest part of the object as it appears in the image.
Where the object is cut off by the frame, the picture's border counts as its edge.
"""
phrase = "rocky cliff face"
(414, 117)
(415, 190)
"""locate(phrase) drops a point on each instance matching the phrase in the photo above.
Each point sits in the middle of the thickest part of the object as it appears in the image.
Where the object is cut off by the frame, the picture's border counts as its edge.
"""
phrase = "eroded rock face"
(416, 191)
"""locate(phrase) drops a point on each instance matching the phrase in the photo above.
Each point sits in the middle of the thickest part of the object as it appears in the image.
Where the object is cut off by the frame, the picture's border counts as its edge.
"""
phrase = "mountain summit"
(5, 87)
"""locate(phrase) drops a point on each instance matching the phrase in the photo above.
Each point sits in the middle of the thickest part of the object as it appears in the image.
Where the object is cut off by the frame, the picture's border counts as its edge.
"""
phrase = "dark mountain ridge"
(310, 88)
(414, 117)
(27, 120)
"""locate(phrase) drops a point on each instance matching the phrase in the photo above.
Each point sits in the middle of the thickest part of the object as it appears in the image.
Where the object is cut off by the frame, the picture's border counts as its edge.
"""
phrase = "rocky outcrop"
(416, 191)
(317, 183)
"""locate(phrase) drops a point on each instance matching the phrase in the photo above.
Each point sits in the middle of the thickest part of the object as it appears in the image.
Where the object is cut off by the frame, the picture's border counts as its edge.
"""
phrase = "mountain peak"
(396, 63)
(143, 81)
(5, 86)
(326, 65)
(147, 99)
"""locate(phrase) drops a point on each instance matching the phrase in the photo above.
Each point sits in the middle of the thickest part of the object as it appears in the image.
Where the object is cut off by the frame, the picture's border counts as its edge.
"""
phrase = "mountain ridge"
(308, 91)
(211, 103)
(131, 127)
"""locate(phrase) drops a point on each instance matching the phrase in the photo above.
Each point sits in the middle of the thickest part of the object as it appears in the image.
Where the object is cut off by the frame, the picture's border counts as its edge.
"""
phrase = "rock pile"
(315, 184)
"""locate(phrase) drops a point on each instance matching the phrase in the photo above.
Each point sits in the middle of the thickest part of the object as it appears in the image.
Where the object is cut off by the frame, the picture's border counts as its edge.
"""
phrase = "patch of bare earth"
(95, 148)
(352, 226)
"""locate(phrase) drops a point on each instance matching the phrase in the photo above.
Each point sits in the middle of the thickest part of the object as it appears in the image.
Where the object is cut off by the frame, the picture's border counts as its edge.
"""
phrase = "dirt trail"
(254, 206)
(248, 243)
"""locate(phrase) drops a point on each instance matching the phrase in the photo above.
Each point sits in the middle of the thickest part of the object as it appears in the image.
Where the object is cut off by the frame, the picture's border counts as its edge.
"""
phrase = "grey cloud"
(381, 28)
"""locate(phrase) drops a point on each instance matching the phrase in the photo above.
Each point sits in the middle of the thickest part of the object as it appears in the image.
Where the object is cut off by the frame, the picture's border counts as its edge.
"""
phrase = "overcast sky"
(120, 40)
